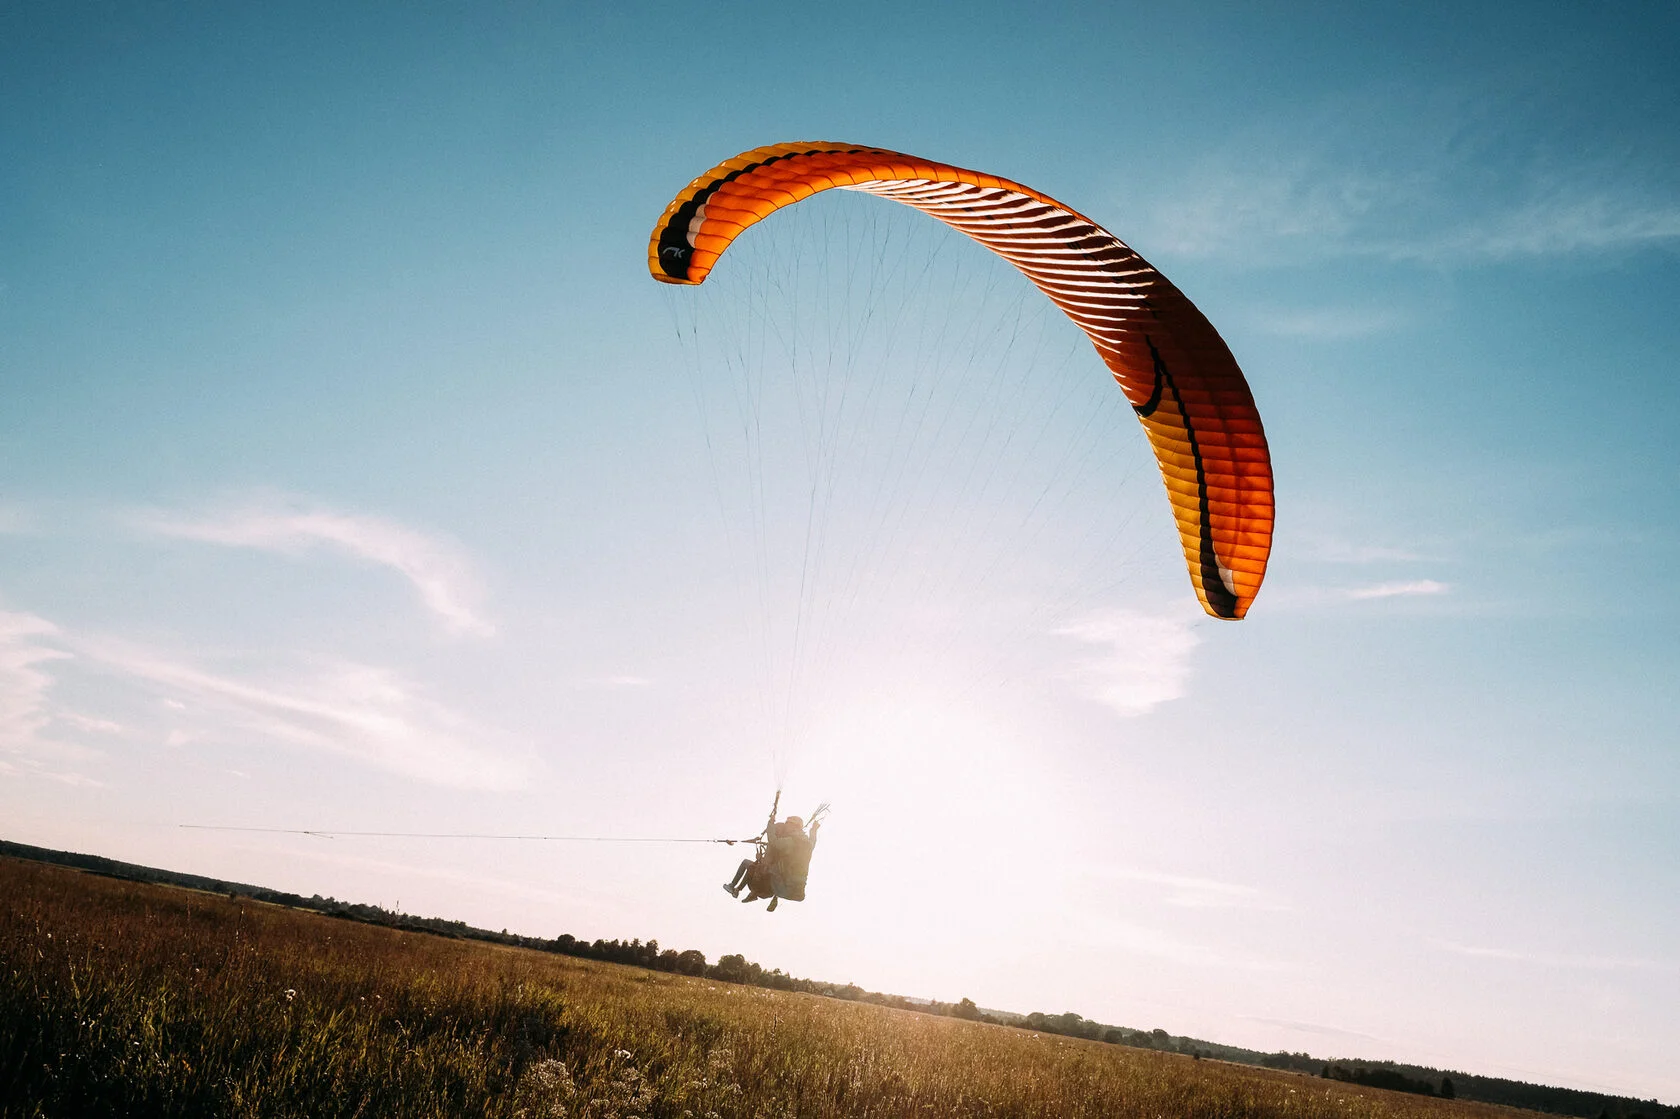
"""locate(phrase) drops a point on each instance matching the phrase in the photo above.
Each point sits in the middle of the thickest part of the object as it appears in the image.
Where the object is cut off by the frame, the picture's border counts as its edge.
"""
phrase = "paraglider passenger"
(782, 866)
(742, 873)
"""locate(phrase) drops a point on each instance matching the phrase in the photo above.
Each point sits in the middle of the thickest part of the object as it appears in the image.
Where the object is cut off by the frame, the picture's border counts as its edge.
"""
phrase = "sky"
(354, 474)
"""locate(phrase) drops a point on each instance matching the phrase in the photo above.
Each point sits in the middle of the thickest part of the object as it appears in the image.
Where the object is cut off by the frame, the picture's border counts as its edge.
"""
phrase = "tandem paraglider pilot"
(783, 861)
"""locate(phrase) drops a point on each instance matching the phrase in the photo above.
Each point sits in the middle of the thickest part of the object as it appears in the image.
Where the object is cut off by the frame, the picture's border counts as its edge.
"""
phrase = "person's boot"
(731, 889)
(771, 908)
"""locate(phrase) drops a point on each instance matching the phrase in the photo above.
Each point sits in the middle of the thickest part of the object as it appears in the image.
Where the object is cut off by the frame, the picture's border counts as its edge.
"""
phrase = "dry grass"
(136, 1000)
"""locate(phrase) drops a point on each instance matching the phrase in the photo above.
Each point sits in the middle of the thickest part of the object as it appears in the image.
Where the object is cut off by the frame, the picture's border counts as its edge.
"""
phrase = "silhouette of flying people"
(780, 868)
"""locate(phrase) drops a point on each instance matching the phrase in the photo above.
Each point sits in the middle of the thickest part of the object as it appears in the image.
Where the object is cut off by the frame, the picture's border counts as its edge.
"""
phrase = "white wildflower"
(544, 1090)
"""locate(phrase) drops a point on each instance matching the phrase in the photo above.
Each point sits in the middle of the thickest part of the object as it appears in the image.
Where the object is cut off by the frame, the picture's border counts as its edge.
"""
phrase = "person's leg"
(734, 886)
(771, 908)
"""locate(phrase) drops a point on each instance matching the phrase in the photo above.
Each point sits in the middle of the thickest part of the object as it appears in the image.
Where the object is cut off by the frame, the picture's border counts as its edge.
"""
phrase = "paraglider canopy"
(1175, 370)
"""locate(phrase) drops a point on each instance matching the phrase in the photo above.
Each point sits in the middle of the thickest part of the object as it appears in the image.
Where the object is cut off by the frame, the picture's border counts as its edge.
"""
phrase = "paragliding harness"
(764, 877)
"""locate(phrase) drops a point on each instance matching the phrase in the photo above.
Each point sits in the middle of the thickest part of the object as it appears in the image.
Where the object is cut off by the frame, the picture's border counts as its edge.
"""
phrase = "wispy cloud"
(1560, 217)
(1335, 549)
(24, 683)
(15, 521)
(1310, 1028)
(366, 713)
(89, 723)
(1235, 203)
(28, 644)
(611, 682)
(1316, 209)
(1555, 959)
(437, 569)
(1144, 659)
(1321, 597)
(1146, 941)
(1100, 928)
(1397, 589)
(1193, 893)
(1328, 323)
(1446, 188)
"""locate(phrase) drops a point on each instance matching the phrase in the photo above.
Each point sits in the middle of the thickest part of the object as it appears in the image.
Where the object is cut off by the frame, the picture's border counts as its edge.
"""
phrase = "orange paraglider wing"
(1172, 365)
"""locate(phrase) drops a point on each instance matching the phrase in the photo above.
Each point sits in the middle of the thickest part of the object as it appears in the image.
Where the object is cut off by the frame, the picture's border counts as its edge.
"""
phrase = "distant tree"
(1390, 1078)
(1065, 1023)
(731, 968)
(1446, 1088)
(966, 1009)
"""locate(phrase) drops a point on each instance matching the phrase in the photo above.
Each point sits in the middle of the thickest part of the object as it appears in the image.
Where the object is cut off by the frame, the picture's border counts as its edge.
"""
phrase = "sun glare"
(941, 804)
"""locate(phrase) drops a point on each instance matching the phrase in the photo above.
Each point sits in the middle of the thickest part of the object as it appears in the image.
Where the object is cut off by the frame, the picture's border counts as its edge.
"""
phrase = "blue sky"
(351, 475)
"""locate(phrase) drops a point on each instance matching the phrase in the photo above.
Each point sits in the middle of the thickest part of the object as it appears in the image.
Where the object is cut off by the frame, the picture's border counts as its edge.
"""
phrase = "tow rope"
(344, 833)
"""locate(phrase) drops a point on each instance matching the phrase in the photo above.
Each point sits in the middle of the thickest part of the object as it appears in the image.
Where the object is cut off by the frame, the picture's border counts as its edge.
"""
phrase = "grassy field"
(126, 999)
